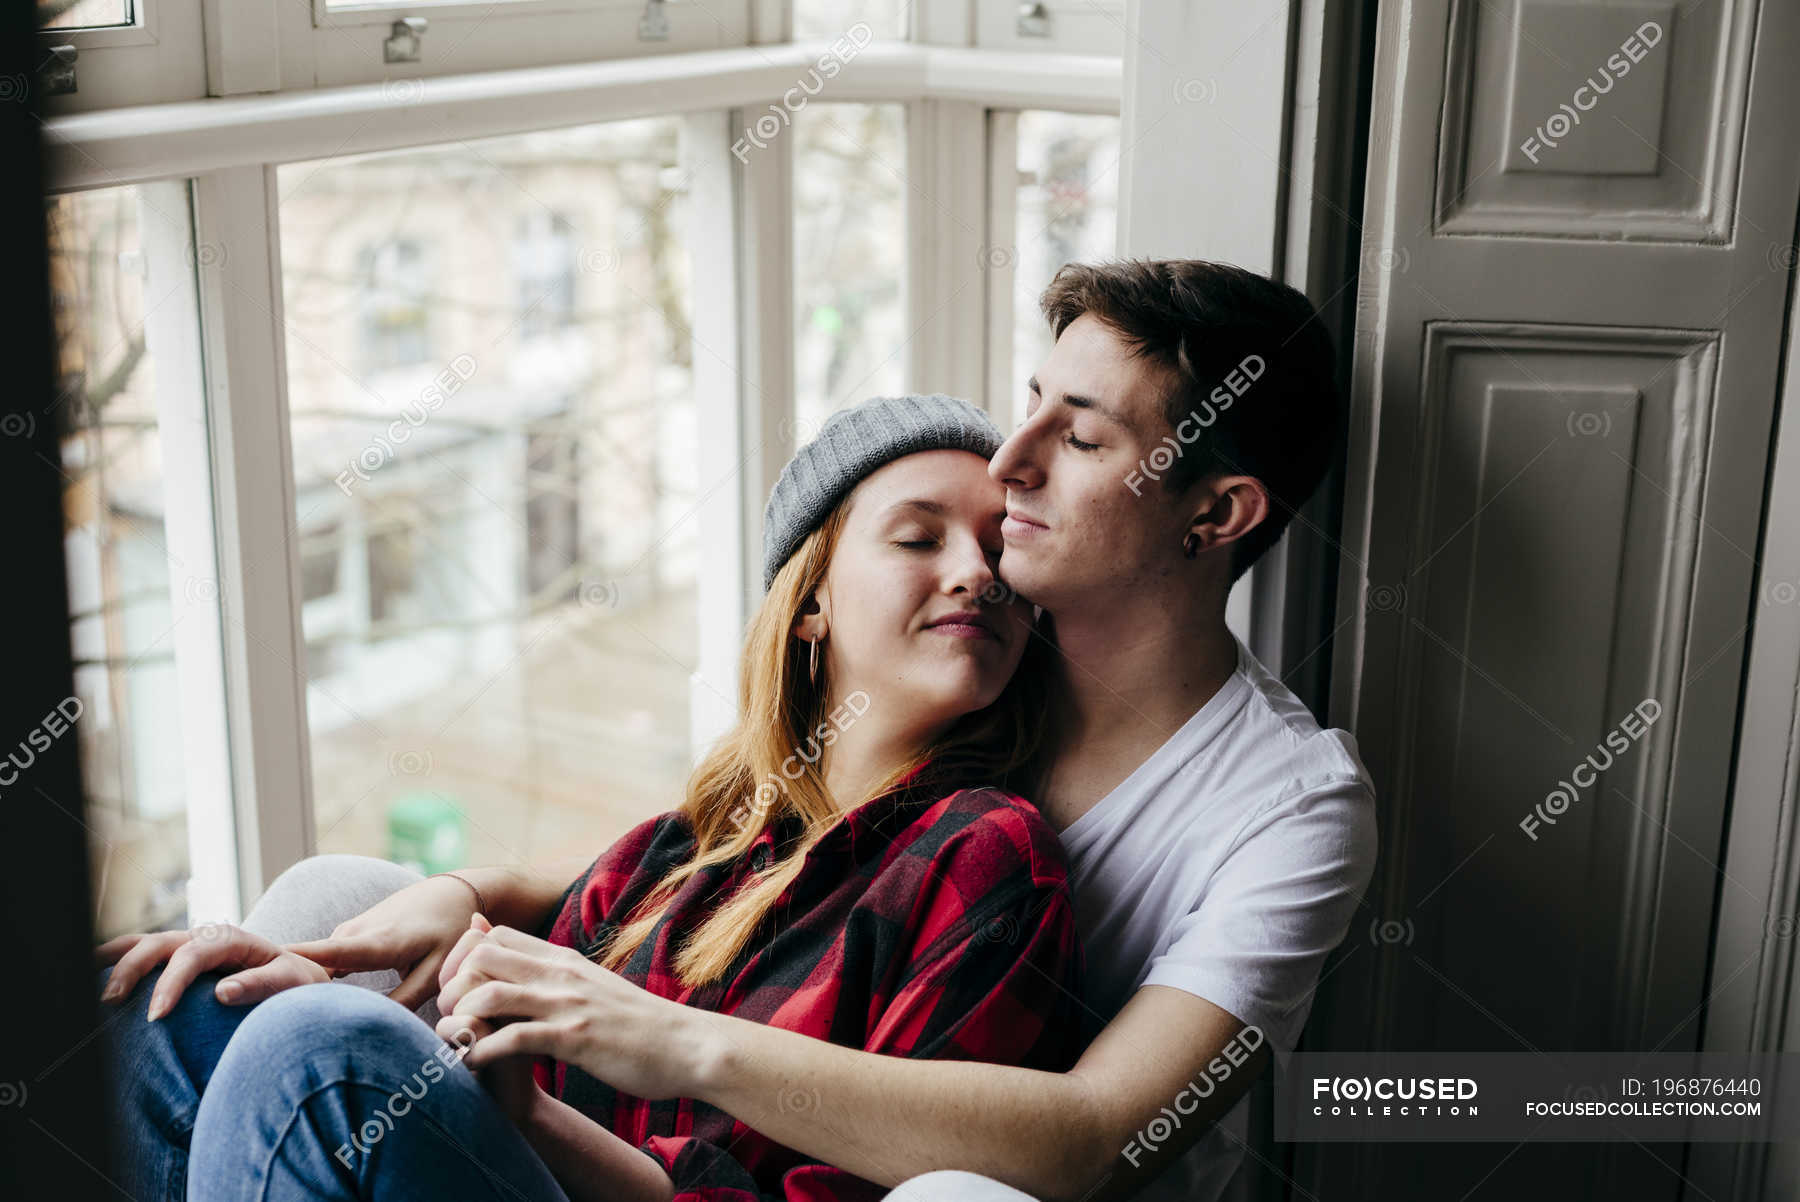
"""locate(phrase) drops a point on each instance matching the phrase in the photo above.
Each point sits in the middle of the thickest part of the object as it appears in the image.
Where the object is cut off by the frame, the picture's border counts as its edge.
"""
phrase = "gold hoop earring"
(812, 666)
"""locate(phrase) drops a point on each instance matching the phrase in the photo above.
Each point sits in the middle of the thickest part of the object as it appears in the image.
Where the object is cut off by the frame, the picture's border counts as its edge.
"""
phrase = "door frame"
(1751, 984)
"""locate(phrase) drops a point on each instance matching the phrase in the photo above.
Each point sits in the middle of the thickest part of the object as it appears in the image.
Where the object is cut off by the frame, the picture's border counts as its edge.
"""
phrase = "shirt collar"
(874, 814)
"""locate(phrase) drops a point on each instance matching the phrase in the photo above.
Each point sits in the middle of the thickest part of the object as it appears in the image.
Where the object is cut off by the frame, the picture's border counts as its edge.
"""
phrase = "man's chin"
(1026, 577)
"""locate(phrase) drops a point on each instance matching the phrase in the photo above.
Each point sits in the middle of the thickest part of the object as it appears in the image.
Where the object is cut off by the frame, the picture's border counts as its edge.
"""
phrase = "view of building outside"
(1068, 211)
(121, 619)
(849, 257)
(495, 466)
(495, 455)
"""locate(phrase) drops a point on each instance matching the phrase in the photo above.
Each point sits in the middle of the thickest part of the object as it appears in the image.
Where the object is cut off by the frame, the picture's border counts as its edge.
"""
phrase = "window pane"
(82, 14)
(849, 257)
(128, 591)
(1068, 212)
(495, 465)
(832, 19)
(335, 4)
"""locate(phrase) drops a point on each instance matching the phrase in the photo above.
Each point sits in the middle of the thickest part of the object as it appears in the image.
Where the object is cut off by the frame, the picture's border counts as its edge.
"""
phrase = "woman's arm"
(587, 1160)
(523, 897)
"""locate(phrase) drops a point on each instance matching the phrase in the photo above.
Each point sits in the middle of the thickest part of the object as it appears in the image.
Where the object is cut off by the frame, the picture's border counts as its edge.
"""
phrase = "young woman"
(852, 862)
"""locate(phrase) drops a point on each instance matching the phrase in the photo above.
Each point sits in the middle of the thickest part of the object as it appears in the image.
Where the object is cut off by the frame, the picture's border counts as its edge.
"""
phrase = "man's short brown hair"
(1203, 320)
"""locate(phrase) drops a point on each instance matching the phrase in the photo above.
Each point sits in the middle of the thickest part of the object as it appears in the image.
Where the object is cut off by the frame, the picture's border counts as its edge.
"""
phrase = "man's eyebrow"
(1075, 401)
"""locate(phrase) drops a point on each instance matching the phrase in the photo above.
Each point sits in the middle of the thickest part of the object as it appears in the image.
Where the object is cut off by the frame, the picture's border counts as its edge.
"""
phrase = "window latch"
(1034, 19)
(404, 37)
(653, 26)
(58, 72)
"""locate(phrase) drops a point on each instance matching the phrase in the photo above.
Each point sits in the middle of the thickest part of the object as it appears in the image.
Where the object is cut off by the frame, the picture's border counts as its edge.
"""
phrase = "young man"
(1219, 841)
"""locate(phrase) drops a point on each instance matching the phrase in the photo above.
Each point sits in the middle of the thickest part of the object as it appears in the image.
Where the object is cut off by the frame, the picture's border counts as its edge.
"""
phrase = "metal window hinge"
(653, 26)
(58, 72)
(402, 44)
(1034, 19)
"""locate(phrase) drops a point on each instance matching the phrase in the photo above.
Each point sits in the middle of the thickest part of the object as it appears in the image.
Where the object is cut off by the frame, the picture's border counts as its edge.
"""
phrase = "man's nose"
(1014, 464)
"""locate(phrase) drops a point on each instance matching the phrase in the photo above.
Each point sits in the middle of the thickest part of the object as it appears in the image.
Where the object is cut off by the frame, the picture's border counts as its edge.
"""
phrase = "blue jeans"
(325, 1091)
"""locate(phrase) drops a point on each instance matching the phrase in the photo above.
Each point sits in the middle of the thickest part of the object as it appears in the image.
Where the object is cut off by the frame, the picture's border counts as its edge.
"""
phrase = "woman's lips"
(963, 630)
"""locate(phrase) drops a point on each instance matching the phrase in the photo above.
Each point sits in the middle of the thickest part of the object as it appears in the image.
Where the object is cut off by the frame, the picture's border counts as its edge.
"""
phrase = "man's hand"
(410, 931)
(267, 969)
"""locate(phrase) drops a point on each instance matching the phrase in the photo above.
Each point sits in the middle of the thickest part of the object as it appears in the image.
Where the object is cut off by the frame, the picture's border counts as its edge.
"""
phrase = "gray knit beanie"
(853, 443)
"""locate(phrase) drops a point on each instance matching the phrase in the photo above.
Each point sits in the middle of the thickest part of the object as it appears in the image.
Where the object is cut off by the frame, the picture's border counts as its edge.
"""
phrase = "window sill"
(162, 141)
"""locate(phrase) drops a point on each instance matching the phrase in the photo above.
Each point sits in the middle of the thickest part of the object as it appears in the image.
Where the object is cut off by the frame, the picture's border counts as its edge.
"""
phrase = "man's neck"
(1130, 680)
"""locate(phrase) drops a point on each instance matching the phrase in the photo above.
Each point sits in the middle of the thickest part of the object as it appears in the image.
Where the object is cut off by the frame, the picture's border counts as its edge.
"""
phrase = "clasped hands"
(508, 996)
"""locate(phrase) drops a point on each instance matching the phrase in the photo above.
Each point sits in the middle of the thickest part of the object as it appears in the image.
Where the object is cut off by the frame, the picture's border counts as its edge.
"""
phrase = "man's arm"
(1053, 1135)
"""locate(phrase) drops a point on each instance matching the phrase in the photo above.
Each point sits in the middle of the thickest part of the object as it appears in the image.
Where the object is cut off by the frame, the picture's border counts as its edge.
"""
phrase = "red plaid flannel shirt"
(921, 926)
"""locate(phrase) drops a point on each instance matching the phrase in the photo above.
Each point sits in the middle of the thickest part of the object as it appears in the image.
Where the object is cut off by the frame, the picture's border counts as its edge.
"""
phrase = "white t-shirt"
(1227, 865)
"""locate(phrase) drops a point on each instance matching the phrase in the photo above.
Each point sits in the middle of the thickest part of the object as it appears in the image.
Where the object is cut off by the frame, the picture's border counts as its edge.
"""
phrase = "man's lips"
(1020, 525)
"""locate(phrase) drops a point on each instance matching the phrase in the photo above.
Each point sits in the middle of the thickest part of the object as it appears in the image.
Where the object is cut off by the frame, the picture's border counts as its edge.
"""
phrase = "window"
(518, 353)
(100, 54)
(1062, 26)
(326, 43)
(142, 587)
(1067, 212)
(849, 256)
(500, 618)
(544, 266)
(829, 19)
(394, 295)
(82, 14)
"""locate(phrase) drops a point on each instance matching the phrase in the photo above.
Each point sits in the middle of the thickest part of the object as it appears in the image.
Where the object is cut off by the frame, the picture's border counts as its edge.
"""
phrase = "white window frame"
(1074, 27)
(962, 101)
(322, 47)
(159, 57)
(230, 149)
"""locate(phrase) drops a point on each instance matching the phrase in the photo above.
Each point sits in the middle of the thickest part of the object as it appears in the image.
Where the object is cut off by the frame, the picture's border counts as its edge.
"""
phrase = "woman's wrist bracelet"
(480, 901)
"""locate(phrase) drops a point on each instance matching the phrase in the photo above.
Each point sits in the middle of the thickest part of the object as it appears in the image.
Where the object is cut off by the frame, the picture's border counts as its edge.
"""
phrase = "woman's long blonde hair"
(782, 714)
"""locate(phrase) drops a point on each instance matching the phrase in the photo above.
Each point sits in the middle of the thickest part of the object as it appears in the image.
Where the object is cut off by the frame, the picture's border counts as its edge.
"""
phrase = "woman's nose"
(973, 572)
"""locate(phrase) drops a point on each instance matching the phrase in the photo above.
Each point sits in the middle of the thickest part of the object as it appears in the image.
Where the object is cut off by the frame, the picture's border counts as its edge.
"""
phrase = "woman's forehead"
(939, 480)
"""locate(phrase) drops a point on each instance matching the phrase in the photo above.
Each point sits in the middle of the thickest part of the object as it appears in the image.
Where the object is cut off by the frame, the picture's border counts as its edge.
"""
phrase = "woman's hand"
(508, 1079)
(267, 969)
(562, 1005)
(411, 932)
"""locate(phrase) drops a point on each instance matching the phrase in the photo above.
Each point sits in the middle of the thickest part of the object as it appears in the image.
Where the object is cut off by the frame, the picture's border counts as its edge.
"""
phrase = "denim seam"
(287, 1130)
